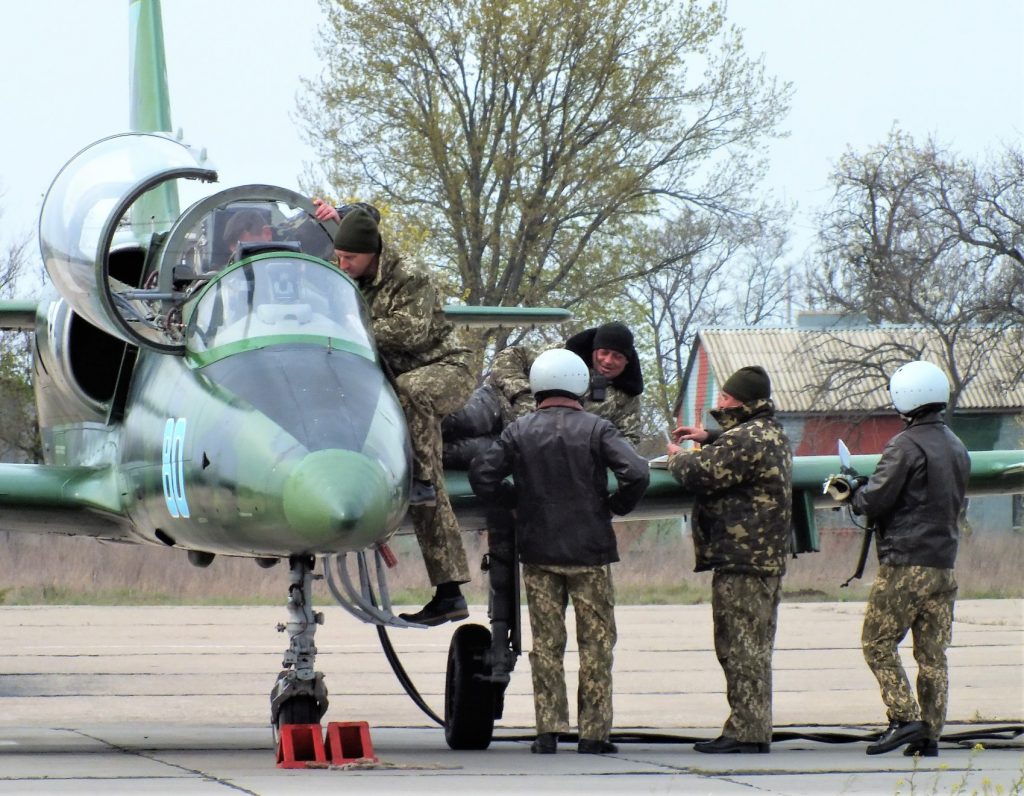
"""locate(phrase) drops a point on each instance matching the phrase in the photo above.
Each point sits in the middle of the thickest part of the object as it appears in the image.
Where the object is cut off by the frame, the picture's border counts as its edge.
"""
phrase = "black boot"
(447, 605)
(723, 745)
(546, 743)
(587, 746)
(926, 748)
(899, 733)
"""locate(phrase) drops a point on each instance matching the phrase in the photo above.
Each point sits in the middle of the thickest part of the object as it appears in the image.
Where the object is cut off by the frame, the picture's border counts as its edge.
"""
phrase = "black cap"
(614, 336)
(357, 233)
(748, 384)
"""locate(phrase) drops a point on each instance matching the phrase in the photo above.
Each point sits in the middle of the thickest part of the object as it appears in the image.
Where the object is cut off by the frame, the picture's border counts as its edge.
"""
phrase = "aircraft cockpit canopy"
(100, 218)
(122, 255)
(213, 232)
(269, 298)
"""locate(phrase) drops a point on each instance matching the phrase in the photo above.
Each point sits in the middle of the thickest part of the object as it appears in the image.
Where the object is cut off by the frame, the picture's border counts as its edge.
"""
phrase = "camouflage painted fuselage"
(284, 440)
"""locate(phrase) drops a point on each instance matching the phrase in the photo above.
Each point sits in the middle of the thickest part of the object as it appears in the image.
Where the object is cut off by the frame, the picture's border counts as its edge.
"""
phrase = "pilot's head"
(357, 244)
(246, 226)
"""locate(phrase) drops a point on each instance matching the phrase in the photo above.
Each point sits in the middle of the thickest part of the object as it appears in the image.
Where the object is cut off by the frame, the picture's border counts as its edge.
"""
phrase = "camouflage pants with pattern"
(745, 610)
(440, 540)
(919, 600)
(548, 591)
(427, 394)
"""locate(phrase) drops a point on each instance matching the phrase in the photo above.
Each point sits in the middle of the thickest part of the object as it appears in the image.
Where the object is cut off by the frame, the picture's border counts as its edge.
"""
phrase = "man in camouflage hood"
(741, 478)
(616, 379)
(432, 378)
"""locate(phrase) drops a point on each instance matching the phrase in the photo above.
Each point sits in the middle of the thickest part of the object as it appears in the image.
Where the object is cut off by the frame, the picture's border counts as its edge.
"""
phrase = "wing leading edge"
(999, 472)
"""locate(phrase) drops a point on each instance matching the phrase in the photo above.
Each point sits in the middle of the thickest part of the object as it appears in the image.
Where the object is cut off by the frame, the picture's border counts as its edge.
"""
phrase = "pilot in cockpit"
(246, 226)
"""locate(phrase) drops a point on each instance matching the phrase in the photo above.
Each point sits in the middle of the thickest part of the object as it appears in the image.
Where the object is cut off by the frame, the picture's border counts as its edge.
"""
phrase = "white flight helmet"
(559, 369)
(918, 384)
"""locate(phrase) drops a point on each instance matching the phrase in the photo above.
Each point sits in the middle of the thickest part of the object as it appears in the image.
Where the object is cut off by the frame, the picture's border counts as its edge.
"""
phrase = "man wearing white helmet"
(914, 498)
(558, 457)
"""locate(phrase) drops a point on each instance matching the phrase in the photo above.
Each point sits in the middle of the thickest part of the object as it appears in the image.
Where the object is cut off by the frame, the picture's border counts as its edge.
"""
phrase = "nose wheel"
(299, 696)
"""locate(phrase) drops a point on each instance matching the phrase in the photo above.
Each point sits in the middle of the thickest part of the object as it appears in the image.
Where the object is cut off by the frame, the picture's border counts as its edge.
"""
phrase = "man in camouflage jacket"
(741, 478)
(432, 378)
(616, 379)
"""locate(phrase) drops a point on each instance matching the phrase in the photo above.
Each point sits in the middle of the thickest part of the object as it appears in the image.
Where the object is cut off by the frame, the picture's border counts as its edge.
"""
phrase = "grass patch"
(656, 569)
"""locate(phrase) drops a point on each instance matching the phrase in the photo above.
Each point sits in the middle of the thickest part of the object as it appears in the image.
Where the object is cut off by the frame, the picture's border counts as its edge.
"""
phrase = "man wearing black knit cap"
(616, 379)
(741, 479)
(432, 378)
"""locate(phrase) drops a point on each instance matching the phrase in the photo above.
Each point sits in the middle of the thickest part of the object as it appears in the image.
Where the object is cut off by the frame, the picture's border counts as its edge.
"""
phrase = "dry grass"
(656, 567)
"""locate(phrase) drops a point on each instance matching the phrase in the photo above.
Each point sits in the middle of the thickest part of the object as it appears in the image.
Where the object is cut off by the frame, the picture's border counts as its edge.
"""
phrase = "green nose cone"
(338, 499)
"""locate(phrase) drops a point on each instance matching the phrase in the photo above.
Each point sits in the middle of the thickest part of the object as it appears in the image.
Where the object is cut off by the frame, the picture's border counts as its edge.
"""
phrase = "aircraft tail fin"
(149, 98)
(150, 109)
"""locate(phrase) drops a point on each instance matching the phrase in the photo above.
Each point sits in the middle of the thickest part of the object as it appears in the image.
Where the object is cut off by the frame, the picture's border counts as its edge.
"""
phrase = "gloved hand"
(841, 487)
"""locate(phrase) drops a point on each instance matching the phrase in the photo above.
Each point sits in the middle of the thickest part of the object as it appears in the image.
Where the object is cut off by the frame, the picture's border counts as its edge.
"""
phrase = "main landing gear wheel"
(468, 699)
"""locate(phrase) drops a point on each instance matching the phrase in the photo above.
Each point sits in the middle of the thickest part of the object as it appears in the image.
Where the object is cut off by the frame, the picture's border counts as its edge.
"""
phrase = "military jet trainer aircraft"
(231, 401)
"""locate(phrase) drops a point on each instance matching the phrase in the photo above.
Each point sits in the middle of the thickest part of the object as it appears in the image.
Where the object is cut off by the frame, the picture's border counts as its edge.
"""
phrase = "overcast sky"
(954, 70)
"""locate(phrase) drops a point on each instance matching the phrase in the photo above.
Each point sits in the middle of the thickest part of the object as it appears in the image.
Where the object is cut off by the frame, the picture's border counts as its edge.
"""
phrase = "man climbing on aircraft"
(616, 385)
(914, 498)
(558, 457)
(616, 381)
(742, 481)
(432, 378)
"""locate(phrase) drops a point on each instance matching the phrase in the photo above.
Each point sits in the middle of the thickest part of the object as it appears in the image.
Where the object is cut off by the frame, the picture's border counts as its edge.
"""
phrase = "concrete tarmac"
(176, 700)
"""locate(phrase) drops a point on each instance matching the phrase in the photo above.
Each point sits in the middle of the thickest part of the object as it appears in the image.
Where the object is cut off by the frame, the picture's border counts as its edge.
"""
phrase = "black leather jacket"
(916, 494)
(559, 458)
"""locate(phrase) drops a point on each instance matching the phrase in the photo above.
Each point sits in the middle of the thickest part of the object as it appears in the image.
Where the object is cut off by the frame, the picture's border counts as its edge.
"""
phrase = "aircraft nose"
(337, 493)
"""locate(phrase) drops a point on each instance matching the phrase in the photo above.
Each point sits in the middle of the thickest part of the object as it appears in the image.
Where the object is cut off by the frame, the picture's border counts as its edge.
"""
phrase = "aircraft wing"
(998, 472)
(38, 498)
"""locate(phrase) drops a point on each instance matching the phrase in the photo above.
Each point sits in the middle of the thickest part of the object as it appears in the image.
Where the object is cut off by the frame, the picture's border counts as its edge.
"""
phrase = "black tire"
(300, 709)
(468, 702)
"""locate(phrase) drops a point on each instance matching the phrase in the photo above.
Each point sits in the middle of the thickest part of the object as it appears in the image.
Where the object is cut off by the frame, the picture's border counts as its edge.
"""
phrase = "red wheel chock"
(298, 745)
(348, 741)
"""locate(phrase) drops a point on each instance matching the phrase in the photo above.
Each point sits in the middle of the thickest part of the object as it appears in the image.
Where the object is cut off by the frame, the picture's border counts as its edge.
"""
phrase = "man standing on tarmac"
(914, 498)
(742, 481)
(558, 457)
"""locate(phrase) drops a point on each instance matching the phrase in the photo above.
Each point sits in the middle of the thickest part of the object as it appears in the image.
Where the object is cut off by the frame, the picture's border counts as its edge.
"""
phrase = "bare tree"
(918, 237)
(710, 271)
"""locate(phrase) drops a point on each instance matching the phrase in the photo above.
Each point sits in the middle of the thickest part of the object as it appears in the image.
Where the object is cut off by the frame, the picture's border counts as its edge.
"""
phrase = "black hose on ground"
(403, 676)
(1006, 733)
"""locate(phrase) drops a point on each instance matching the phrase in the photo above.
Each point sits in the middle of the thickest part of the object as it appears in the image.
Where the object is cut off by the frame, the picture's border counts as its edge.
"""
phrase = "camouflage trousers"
(548, 591)
(440, 540)
(427, 394)
(918, 599)
(745, 610)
